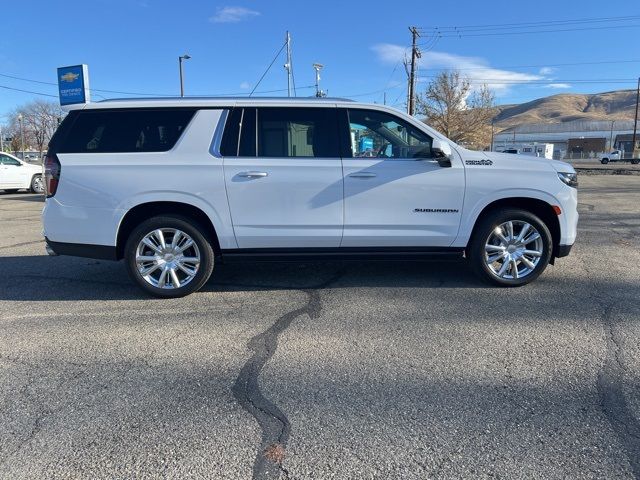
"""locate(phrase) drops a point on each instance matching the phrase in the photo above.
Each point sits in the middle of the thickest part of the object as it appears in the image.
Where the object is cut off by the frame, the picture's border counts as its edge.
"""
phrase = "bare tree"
(39, 122)
(457, 110)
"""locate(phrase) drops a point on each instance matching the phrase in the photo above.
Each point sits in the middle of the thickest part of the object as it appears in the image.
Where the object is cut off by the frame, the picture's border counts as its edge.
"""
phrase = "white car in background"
(18, 175)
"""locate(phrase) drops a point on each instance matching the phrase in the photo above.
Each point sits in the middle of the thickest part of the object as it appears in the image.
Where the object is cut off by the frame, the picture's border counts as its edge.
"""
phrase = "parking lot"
(325, 370)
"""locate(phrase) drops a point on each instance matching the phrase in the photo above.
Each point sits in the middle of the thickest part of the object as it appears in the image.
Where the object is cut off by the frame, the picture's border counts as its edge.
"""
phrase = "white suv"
(173, 186)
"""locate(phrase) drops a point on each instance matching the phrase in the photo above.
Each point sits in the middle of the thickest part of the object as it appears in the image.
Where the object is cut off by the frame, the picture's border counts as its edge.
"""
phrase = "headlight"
(570, 179)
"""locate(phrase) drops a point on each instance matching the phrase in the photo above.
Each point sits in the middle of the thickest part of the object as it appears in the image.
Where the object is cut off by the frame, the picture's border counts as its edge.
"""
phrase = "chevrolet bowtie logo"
(69, 77)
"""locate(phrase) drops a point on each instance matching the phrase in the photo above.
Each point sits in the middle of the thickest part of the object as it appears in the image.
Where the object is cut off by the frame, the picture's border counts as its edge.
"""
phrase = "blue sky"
(133, 45)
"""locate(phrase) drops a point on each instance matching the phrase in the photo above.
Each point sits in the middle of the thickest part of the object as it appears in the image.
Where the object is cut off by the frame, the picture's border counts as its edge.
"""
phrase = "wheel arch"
(143, 211)
(538, 207)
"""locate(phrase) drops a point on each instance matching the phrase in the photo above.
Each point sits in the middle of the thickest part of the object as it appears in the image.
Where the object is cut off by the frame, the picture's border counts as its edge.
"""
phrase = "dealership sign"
(73, 84)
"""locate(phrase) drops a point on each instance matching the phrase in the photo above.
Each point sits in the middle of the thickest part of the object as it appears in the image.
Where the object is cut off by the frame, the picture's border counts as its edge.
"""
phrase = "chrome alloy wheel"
(167, 258)
(513, 250)
(38, 184)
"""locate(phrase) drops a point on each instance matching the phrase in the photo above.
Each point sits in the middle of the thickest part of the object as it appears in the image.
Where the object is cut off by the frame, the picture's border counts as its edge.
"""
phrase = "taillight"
(52, 169)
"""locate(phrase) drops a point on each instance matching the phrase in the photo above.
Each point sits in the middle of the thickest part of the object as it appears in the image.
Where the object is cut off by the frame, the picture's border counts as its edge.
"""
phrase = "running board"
(341, 254)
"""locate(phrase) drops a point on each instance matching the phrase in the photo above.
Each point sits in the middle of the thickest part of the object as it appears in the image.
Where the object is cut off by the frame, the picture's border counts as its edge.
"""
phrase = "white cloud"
(559, 85)
(233, 14)
(245, 85)
(474, 68)
(547, 70)
(389, 53)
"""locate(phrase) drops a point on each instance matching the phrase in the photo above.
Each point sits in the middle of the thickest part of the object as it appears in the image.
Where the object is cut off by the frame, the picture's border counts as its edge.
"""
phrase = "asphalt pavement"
(325, 370)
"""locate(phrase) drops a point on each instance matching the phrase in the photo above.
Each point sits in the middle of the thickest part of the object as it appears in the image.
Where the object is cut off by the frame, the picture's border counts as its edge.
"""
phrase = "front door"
(396, 194)
(11, 172)
(284, 177)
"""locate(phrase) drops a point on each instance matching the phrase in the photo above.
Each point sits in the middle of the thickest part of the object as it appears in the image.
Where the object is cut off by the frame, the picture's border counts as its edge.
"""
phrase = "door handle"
(362, 175)
(253, 174)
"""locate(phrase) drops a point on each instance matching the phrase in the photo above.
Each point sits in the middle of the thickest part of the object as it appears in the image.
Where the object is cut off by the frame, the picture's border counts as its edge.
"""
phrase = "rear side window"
(298, 132)
(112, 131)
(239, 138)
(273, 132)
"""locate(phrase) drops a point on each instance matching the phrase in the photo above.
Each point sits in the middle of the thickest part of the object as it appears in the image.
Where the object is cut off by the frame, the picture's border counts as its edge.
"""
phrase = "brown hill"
(566, 107)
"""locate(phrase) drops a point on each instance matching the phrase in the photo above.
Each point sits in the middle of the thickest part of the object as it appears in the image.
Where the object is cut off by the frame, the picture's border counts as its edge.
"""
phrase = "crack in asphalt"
(610, 381)
(273, 422)
(612, 397)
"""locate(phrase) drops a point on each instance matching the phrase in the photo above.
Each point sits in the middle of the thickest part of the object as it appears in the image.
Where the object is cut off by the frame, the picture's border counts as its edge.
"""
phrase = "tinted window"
(380, 134)
(298, 132)
(239, 131)
(107, 131)
(229, 145)
(8, 160)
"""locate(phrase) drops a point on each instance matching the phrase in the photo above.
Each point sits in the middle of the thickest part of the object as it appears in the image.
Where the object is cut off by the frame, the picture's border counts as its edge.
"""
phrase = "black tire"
(635, 161)
(486, 226)
(37, 185)
(604, 161)
(188, 226)
(11, 190)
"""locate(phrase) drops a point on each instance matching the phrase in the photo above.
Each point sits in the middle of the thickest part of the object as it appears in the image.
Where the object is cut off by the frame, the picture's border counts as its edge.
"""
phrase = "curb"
(606, 171)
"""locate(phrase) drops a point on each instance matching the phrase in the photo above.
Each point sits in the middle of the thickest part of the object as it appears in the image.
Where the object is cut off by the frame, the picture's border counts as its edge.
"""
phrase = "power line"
(497, 26)
(463, 34)
(574, 64)
(269, 67)
(28, 91)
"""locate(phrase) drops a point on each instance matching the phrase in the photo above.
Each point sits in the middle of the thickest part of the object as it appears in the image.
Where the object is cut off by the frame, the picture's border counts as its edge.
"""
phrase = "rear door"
(396, 194)
(283, 175)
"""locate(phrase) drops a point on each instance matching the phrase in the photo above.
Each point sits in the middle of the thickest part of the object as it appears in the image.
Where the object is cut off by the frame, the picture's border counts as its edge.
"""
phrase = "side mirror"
(441, 151)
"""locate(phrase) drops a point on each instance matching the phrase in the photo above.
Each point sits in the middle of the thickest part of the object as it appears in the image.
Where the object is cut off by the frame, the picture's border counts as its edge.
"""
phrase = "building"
(574, 140)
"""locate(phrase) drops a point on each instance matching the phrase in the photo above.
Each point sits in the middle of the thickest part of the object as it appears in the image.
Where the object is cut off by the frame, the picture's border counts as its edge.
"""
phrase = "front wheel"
(168, 256)
(37, 184)
(510, 248)
(604, 161)
(635, 161)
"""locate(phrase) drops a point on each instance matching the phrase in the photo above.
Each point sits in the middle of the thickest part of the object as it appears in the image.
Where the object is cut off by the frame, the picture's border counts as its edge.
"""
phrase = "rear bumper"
(563, 251)
(101, 252)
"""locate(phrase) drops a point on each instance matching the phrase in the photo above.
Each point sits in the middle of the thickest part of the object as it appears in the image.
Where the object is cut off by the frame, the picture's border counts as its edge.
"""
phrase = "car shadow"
(24, 197)
(43, 278)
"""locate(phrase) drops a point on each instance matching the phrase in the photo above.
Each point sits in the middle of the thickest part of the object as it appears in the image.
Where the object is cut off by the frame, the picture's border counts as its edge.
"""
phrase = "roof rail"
(235, 98)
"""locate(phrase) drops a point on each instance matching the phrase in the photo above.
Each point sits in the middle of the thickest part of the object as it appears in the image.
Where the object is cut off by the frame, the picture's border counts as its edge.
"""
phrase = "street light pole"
(21, 134)
(180, 59)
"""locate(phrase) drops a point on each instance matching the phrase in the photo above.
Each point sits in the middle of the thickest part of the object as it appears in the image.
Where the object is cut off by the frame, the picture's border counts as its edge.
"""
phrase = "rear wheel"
(604, 161)
(37, 184)
(635, 161)
(169, 257)
(510, 248)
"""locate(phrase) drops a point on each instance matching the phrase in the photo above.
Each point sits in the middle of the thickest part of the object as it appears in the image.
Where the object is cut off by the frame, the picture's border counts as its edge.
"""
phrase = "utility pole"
(635, 122)
(1, 140)
(415, 54)
(492, 133)
(611, 136)
(287, 65)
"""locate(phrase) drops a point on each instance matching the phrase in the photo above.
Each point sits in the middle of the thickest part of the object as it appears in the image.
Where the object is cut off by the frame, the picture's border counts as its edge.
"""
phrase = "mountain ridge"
(567, 107)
